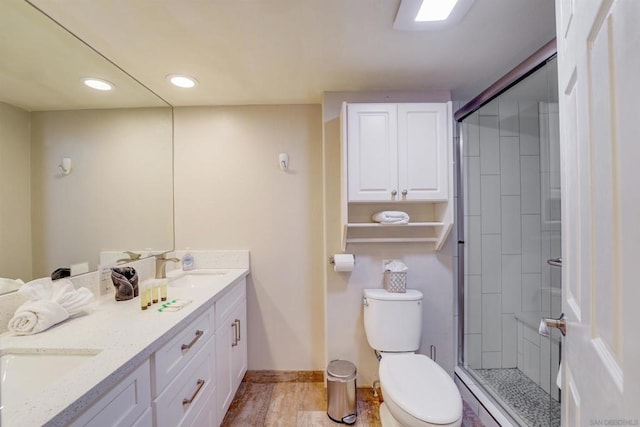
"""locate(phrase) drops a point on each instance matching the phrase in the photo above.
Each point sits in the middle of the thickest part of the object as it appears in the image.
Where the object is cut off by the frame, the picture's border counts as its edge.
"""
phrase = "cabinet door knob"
(394, 193)
(404, 192)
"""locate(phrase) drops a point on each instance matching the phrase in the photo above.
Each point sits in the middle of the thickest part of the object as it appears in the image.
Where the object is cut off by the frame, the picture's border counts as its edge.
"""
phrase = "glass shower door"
(511, 205)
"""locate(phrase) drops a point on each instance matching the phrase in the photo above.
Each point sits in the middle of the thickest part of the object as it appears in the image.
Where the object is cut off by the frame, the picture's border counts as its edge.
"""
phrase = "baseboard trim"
(268, 376)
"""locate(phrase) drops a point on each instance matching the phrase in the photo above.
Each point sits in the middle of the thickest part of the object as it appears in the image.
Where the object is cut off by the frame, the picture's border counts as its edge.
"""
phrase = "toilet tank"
(393, 321)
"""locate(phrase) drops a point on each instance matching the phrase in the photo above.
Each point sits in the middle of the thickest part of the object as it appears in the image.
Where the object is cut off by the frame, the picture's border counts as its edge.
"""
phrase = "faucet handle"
(133, 255)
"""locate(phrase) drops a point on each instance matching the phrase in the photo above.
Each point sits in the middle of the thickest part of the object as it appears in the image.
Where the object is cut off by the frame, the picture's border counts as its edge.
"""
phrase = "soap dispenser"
(187, 261)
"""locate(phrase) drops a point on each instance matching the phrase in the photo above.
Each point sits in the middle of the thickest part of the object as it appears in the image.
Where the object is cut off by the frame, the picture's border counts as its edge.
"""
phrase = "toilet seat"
(418, 391)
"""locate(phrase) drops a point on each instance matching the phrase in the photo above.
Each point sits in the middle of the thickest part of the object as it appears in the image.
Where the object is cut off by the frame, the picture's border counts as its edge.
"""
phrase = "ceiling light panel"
(435, 10)
(429, 15)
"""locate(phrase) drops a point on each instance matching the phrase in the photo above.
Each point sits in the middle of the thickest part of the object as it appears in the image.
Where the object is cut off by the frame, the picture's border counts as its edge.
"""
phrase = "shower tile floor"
(526, 398)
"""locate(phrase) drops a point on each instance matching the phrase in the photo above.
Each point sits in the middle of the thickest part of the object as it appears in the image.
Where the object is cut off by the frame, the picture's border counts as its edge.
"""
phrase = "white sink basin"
(23, 374)
(196, 278)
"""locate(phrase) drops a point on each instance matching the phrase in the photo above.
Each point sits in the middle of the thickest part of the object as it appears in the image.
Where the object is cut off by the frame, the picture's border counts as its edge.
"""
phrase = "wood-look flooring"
(299, 399)
(283, 399)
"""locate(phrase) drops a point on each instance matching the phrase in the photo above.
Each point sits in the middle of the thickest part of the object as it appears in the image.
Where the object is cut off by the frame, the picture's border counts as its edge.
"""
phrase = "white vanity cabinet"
(231, 345)
(190, 380)
(397, 157)
(190, 392)
(184, 374)
(126, 404)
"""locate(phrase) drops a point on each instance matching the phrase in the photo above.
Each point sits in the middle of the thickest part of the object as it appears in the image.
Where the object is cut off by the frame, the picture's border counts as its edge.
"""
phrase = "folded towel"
(49, 303)
(125, 280)
(391, 217)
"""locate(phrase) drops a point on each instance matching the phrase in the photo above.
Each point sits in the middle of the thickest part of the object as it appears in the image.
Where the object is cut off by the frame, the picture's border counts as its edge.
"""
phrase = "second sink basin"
(196, 278)
(24, 373)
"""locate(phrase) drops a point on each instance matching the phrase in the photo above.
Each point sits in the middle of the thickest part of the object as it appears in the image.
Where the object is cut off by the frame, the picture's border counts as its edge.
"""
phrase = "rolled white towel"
(36, 316)
(391, 217)
(50, 302)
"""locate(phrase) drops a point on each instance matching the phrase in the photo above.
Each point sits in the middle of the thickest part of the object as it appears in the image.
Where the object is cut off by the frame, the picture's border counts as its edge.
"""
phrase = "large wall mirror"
(115, 191)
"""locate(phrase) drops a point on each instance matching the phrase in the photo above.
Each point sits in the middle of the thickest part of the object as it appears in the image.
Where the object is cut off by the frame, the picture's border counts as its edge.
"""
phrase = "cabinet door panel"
(224, 376)
(372, 151)
(123, 404)
(423, 138)
(239, 354)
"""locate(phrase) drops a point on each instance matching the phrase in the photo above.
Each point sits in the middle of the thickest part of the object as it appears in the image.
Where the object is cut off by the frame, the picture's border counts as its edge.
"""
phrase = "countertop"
(124, 335)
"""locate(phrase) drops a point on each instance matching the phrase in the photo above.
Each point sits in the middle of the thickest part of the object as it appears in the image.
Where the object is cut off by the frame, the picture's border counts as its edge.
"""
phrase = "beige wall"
(432, 273)
(15, 202)
(230, 194)
(119, 194)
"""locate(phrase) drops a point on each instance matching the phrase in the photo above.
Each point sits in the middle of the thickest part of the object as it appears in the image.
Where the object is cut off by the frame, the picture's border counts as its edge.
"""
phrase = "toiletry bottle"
(143, 295)
(187, 261)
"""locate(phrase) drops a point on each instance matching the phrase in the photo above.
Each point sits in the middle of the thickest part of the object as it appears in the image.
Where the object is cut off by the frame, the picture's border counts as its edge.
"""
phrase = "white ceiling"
(290, 51)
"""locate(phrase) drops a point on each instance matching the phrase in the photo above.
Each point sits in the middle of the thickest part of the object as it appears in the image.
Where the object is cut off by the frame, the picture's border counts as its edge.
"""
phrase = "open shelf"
(430, 223)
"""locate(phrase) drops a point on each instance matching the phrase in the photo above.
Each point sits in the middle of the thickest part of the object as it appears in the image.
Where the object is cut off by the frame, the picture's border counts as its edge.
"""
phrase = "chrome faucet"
(161, 265)
(133, 256)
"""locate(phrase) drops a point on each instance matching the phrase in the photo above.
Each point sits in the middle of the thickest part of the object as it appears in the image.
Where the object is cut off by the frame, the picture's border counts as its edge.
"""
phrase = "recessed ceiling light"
(435, 10)
(98, 84)
(430, 15)
(181, 80)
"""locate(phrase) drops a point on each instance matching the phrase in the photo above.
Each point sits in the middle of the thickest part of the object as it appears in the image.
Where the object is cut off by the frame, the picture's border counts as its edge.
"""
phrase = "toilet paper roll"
(343, 262)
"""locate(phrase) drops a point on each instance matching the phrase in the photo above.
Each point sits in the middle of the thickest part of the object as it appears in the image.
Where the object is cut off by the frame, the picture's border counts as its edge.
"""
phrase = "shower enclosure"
(511, 276)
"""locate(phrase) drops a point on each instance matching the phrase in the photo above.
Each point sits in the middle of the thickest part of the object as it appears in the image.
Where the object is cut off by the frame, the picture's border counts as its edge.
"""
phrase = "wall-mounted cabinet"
(397, 157)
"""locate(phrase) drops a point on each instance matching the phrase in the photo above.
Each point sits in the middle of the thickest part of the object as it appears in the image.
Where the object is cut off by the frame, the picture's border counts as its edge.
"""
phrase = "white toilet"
(416, 390)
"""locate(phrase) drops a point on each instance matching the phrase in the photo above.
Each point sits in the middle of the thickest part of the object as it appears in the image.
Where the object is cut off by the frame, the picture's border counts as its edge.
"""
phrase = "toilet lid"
(420, 387)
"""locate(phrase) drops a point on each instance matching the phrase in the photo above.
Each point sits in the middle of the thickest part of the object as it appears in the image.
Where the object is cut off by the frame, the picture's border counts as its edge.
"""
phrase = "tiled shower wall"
(512, 227)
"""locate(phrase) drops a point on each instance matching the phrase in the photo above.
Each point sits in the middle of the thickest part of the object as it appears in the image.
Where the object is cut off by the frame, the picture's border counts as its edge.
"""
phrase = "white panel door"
(423, 139)
(372, 153)
(598, 71)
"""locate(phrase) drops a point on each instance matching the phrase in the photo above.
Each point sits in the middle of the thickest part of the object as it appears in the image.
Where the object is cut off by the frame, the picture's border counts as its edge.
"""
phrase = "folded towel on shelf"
(391, 217)
(50, 302)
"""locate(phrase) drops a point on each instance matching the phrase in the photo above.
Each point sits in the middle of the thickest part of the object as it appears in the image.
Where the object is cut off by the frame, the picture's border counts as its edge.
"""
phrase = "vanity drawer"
(175, 354)
(226, 304)
(190, 391)
(123, 405)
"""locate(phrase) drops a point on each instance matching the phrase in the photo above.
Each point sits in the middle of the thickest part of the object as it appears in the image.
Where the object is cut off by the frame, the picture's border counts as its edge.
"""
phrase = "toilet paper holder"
(332, 260)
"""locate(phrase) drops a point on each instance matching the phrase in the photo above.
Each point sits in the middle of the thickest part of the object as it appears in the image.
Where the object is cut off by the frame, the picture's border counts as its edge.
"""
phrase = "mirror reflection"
(84, 173)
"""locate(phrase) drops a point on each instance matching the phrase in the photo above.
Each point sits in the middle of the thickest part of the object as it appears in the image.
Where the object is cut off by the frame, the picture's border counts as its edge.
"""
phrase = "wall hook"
(283, 159)
(65, 166)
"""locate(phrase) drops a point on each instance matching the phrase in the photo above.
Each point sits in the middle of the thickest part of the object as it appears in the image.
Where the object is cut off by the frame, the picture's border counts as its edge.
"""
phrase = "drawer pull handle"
(234, 325)
(186, 347)
(186, 402)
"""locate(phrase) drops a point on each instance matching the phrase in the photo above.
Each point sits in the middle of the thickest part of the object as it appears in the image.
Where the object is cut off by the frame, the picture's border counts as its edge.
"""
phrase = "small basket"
(395, 282)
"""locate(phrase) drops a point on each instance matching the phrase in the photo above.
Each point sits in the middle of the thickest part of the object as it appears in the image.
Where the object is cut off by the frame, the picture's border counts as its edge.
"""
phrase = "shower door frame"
(529, 66)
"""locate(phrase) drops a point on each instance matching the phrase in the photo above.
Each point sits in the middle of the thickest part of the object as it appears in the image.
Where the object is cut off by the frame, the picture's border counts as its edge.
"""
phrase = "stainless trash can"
(341, 391)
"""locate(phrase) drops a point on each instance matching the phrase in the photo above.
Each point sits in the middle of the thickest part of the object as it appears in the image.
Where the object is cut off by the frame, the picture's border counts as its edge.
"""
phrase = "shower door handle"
(555, 262)
(549, 322)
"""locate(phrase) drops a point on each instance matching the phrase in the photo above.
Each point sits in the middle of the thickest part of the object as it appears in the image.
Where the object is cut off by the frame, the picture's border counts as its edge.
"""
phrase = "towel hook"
(65, 166)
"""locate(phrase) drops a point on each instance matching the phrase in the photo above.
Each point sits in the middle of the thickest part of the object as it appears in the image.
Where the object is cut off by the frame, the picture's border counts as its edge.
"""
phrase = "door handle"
(239, 337)
(555, 262)
(234, 325)
(549, 322)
